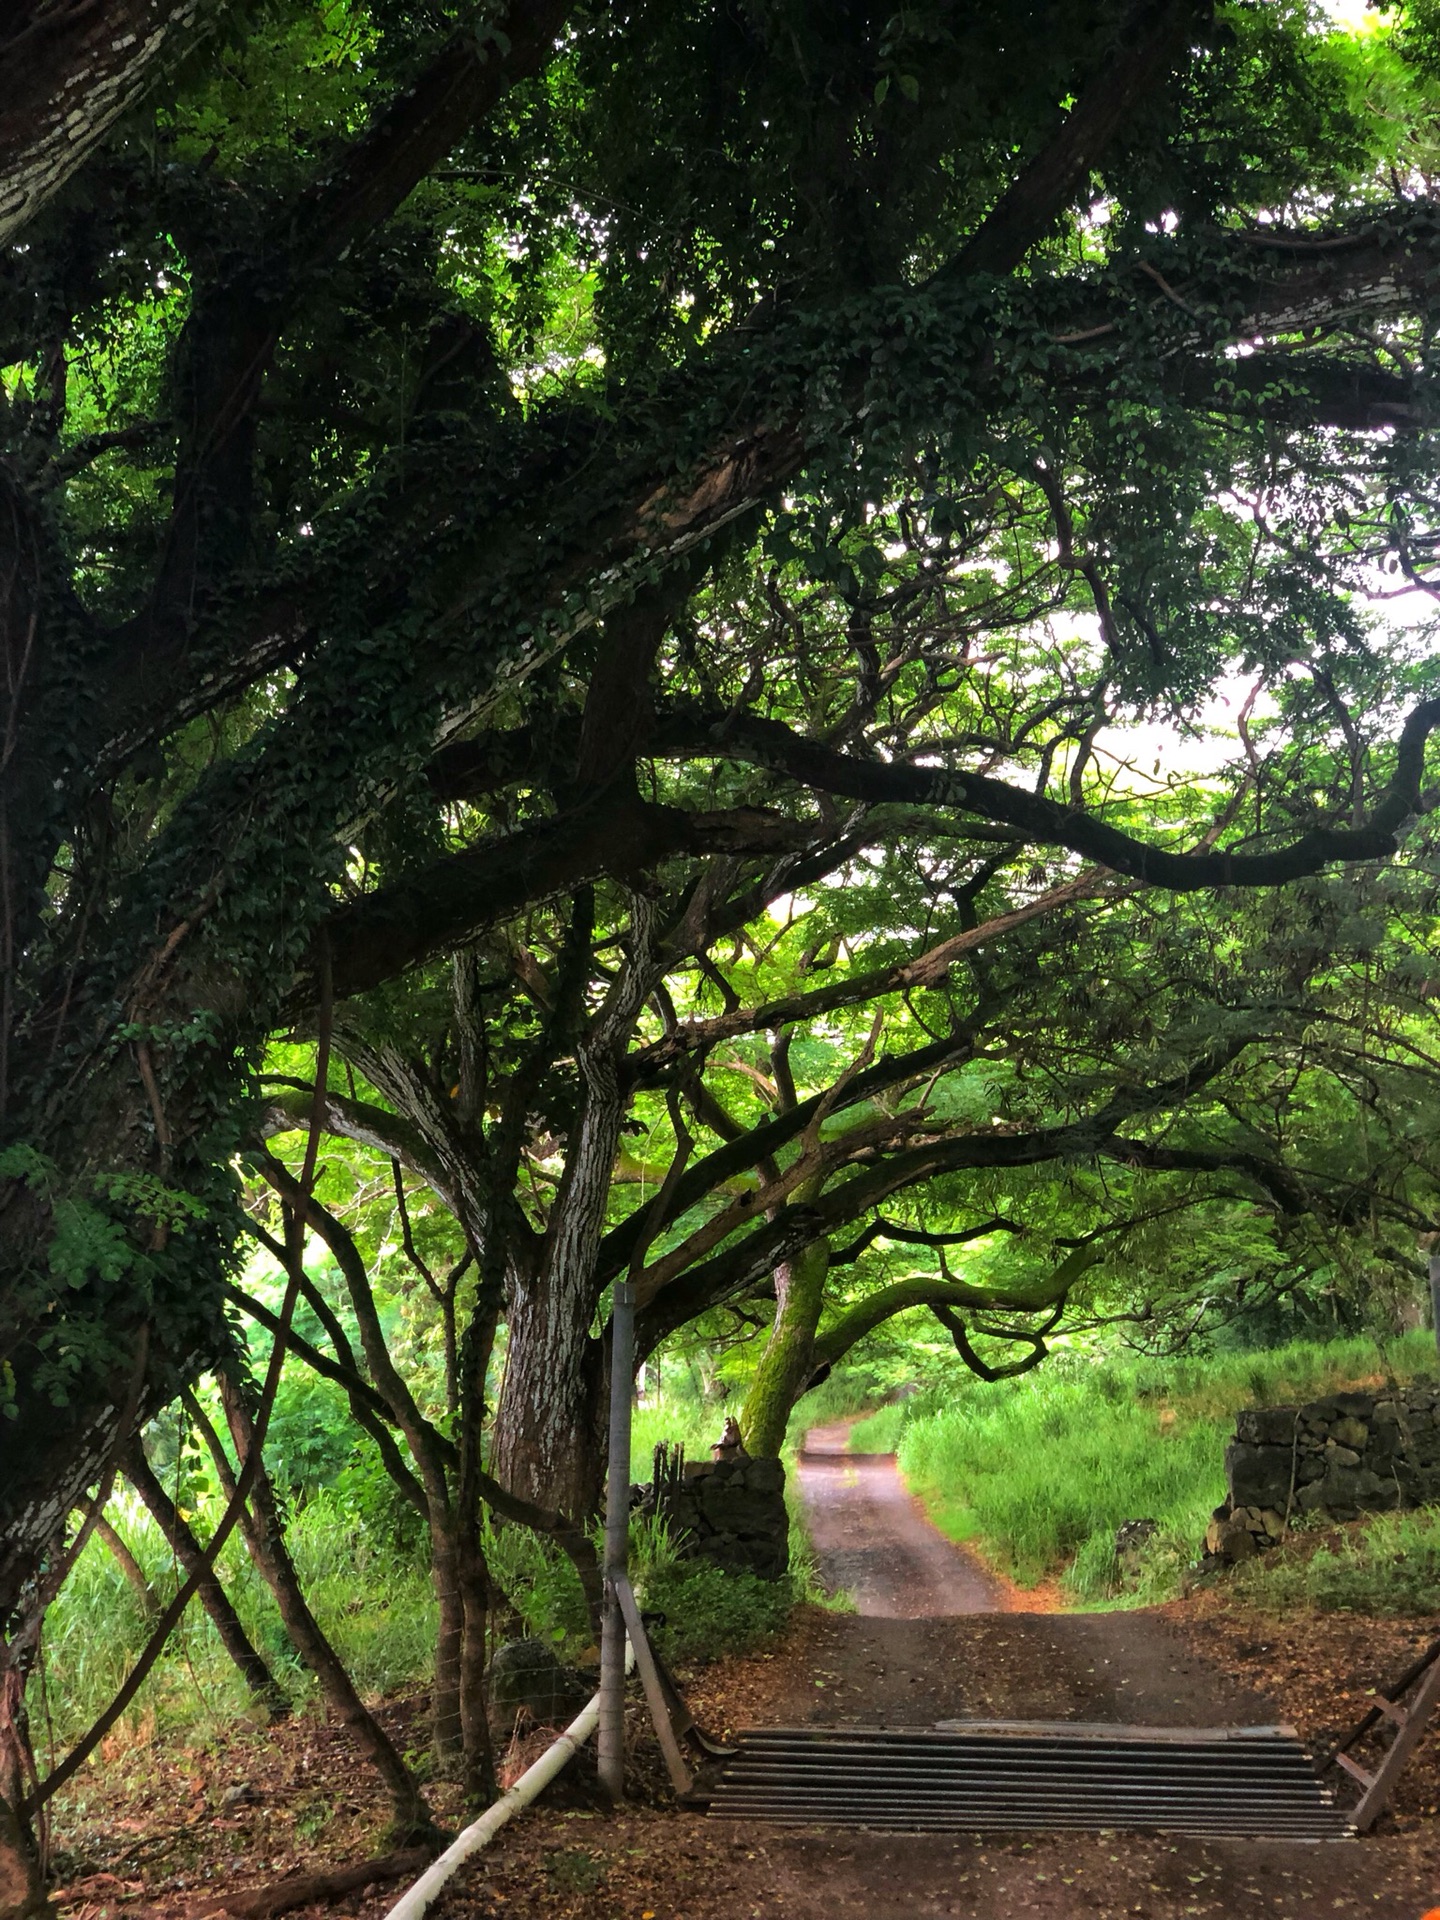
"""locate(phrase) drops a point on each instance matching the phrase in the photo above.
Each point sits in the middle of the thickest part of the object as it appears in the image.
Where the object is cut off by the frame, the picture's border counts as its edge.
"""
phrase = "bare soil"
(163, 1827)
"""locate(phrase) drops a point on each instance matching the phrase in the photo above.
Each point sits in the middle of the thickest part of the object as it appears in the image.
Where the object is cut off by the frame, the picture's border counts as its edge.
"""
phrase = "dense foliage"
(587, 601)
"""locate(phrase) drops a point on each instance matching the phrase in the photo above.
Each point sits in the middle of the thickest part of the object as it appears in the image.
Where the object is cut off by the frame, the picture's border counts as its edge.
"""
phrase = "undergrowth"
(376, 1605)
(1041, 1470)
(1389, 1563)
(377, 1608)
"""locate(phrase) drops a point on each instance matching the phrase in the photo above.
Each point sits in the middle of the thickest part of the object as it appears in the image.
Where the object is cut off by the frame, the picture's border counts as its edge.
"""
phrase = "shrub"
(709, 1611)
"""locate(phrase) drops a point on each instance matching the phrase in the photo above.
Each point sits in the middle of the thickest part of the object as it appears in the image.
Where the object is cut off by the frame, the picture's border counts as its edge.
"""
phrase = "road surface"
(873, 1539)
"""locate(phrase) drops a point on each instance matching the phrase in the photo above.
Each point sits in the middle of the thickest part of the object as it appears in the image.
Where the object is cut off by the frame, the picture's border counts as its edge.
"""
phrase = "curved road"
(874, 1540)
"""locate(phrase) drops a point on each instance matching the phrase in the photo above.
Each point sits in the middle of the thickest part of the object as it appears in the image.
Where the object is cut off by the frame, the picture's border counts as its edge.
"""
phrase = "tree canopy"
(599, 564)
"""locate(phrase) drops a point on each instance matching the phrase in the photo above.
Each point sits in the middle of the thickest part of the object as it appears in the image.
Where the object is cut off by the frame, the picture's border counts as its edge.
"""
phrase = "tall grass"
(1042, 1470)
(379, 1612)
(679, 1417)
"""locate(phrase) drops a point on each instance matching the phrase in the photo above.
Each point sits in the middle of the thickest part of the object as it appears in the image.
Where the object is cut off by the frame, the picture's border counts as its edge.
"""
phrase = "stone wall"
(1352, 1453)
(733, 1513)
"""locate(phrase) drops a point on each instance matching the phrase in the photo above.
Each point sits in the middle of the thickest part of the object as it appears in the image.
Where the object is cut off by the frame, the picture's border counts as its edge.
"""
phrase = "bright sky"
(1352, 14)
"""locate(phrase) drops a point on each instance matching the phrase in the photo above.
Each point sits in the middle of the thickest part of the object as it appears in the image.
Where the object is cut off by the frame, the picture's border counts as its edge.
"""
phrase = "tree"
(70, 74)
(396, 372)
(1072, 1072)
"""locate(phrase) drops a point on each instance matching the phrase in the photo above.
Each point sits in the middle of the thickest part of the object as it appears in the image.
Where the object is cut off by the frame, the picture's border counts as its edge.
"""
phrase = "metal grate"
(1022, 1776)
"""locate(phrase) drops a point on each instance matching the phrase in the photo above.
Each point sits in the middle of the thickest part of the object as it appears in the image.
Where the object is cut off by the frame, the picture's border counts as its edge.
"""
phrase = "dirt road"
(874, 1541)
(937, 1637)
(650, 1865)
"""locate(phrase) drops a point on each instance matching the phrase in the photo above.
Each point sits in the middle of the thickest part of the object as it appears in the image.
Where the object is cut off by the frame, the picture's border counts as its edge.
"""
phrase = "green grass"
(694, 1423)
(1040, 1471)
(372, 1595)
(681, 1415)
(378, 1611)
(1388, 1564)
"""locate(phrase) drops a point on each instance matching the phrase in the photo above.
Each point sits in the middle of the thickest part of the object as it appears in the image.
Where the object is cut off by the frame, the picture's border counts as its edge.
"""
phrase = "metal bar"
(1100, 1730)
(869, 1790)
(1020, 1767)
(1155, 1761)
(1216, 1829)
(942, 1801)
(1105, 1807)
(924, 1753)
(945, 1730)
(1020, 1786)
(654, 1691)
(611, 1741)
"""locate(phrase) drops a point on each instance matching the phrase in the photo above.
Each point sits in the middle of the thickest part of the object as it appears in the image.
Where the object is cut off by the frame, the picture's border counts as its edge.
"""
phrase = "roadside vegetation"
(1038, 1473)
(362, 1564)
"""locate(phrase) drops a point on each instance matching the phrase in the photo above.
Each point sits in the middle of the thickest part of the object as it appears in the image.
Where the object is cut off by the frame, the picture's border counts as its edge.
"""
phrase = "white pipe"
(412, 1904)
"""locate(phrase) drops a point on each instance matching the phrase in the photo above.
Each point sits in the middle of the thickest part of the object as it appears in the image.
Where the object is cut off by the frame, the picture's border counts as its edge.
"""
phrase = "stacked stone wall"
(731, 1512)
(1349, 1454)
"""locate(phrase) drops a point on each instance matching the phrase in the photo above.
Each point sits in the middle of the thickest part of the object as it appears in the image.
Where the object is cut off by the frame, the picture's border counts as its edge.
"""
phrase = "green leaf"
(86, 1244)
(23, 1162)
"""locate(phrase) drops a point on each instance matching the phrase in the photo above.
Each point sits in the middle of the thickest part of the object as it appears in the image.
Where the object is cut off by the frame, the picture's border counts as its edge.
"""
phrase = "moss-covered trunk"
(786, 1363)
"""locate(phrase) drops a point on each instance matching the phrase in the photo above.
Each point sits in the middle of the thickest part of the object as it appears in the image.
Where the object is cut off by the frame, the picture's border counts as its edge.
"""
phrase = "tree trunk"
(266, 1540)
(550, 1426)
(22, 1891)
(70, 72)
(131, 1568)
(447, 1730)
(213, 1597)
(479, 1758)
(785, 1365)
(548, 1440)
(22, 1888)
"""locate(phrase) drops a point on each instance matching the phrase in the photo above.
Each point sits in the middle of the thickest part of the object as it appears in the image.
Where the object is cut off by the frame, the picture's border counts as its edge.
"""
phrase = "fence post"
(617, 1542)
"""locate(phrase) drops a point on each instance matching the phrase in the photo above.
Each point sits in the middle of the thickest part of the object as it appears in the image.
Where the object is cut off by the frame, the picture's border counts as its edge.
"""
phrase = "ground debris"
(306, 1889)
(315, 1810)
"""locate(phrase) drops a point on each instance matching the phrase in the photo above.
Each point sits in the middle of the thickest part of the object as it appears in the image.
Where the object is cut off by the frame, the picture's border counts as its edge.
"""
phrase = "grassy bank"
(1387, 1564)
(1040, 1471)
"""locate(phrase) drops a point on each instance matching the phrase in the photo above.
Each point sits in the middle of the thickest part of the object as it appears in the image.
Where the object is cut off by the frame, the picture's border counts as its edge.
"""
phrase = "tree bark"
(787, 1362)
(70, 72)
(548, 1440)
(217, 1603)
(22, 1889)
(131, 1568)
(550, 1425)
